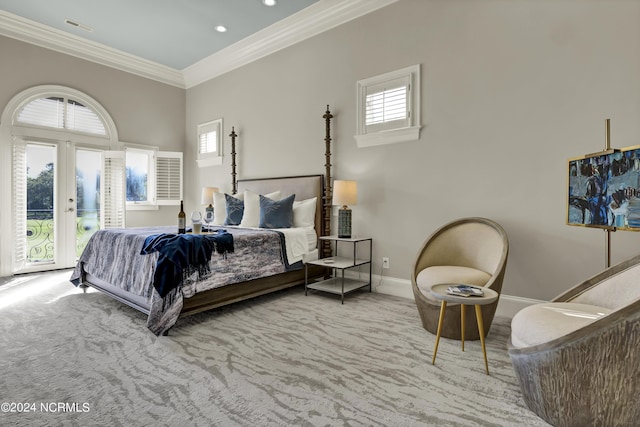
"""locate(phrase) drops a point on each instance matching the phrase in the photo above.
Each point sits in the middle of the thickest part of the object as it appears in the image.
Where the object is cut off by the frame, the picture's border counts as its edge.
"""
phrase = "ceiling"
(174, 41)
(175, 33)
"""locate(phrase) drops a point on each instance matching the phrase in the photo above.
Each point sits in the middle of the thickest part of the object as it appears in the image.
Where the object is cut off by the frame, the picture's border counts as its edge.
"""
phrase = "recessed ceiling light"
(269, 2)
(221, 28)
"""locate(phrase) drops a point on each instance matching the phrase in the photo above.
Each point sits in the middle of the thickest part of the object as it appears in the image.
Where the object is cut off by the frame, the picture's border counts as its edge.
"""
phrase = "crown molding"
(32, 32)
(315, 19)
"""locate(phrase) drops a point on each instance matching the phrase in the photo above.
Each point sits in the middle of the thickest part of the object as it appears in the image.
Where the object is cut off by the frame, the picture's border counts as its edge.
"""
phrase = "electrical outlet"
(385, 262)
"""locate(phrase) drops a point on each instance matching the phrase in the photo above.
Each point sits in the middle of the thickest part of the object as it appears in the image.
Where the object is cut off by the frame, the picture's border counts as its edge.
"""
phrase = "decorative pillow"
(235, 208)
(304, 213)
(251, 215)
(276, 213)
(220, 207)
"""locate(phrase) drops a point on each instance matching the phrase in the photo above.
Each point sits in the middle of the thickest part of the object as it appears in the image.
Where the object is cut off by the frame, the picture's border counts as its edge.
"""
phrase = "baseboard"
(392, 286)
(508, 305)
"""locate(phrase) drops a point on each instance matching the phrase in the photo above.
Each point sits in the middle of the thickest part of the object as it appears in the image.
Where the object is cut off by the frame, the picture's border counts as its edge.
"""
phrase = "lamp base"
(344, 223)
(208, 216)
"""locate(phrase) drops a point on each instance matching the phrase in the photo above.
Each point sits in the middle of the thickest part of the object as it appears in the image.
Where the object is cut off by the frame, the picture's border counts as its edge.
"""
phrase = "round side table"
(440, 293)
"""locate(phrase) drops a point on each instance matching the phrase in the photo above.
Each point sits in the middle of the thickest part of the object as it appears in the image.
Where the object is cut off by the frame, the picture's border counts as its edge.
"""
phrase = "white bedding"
(300, 243)
(297, 242)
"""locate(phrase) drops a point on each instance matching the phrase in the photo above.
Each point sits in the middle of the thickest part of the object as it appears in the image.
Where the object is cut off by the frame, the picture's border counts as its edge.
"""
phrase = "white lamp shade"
(345, 193)
(207, 195)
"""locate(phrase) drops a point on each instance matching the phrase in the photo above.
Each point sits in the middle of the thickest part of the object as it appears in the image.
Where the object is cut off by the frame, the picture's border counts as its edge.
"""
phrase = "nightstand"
(338, 284)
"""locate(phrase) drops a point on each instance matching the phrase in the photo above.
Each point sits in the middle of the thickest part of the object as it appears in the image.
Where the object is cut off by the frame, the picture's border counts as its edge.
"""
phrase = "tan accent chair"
(471, 251)
(577, 358)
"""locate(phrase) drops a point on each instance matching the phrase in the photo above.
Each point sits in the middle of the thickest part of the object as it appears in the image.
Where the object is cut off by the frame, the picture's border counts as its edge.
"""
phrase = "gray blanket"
(113, 256)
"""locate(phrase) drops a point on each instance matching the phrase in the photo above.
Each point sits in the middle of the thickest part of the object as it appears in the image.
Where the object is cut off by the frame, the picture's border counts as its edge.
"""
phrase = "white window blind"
(168, 178)
(81, 118)
(113, 191)
(388, 108)
(61, 113)
(386, 105)
(20, 204)
(48, 112)
(210, 143)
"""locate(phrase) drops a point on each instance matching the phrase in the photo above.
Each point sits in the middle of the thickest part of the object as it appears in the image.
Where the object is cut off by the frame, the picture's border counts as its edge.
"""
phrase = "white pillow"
(304, 213)
(220, 207)
(251, 214)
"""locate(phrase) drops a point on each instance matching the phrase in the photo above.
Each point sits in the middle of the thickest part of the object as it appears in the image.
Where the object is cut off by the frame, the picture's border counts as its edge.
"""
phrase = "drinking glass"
(196, 222)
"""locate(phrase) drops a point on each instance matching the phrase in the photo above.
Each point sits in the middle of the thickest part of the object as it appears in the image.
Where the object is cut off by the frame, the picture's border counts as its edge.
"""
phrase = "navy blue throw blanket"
(183, 253)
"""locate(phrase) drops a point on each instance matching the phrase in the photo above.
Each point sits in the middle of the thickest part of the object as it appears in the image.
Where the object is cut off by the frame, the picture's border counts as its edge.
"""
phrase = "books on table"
(465, 291)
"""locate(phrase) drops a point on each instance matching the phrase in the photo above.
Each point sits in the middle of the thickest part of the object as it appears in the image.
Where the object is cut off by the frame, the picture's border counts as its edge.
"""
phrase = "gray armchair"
(469, 250)
(577, 358)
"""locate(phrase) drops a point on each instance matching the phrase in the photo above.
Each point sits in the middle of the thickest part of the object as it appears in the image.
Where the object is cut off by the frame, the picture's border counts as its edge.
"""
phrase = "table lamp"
(344, 193)
(206, 199)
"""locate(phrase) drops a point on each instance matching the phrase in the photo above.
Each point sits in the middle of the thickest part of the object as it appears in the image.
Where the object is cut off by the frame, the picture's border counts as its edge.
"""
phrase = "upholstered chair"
(577, 358)
(471, 251)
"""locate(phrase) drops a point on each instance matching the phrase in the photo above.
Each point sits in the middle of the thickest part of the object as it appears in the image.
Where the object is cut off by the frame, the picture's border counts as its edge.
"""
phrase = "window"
(210, 143)
(388, 109)
(61, 113)
(138, 175)
(152, 178)
(74, 124)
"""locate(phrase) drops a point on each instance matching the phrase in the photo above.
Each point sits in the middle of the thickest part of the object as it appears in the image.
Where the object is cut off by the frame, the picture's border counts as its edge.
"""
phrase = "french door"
(56, 202)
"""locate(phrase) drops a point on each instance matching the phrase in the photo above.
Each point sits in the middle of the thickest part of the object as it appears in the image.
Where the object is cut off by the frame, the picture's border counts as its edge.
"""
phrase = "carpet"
(68, 358)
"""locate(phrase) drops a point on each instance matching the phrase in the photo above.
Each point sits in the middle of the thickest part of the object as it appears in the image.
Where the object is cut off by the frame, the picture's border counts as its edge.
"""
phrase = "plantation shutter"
(62, 113)
(20, 204)
(208, 139)
(48, 112)
(112, 189)
(83, 119)
(386, 105)
(209, 143)
(168, 178)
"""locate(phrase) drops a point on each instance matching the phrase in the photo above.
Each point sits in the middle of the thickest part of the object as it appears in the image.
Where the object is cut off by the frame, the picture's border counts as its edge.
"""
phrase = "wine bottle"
(182, 220)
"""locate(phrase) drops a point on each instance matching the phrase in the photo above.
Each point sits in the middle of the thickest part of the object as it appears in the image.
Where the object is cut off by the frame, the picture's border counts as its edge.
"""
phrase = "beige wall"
(510, 91)
(144, 111)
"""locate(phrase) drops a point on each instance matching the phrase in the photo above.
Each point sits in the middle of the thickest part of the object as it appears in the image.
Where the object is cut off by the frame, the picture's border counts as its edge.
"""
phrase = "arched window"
(61, 113)
(53, 141)
(61, 109)
(59, 150)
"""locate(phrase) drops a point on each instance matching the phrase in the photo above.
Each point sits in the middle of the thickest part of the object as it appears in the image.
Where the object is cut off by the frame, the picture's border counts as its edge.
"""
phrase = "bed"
(127, 276)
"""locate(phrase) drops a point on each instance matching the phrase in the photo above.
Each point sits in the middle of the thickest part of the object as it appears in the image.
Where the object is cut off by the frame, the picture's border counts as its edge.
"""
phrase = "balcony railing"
(40, 232)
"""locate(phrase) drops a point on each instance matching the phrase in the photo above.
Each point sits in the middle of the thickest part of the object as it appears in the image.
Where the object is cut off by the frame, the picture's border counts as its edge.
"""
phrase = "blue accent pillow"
(276, 213)
(235, 210)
